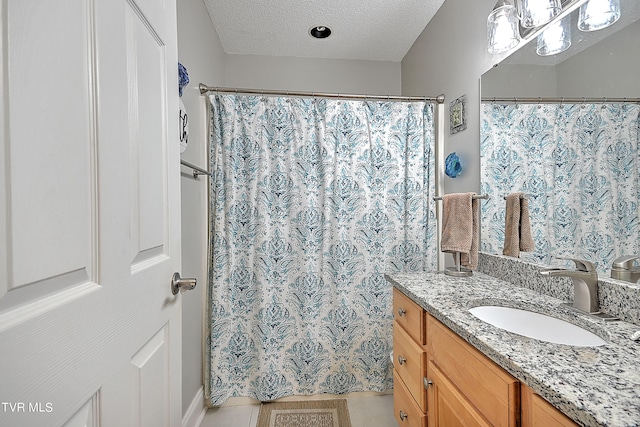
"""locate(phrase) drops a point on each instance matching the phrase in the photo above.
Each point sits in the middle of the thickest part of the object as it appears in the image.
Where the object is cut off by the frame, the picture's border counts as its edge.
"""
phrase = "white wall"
(199, 50)
(449, 57)
(313, 75)
(523, 80)
(609, 68)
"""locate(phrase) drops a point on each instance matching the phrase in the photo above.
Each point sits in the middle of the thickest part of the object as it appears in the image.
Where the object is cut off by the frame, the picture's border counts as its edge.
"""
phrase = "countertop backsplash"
(616, 297)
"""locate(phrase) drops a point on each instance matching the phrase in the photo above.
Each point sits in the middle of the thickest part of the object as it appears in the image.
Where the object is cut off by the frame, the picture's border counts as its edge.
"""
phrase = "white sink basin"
(538, 326)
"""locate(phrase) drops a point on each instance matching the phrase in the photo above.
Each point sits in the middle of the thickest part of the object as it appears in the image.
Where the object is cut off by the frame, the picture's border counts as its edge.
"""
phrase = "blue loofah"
(453, 168)
(183, 78)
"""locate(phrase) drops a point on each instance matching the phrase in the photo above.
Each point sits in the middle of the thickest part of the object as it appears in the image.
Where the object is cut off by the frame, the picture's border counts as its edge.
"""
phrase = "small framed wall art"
(458, 115)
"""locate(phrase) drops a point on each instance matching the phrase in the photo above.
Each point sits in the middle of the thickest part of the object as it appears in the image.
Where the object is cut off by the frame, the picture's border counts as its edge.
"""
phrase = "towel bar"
(475, 196)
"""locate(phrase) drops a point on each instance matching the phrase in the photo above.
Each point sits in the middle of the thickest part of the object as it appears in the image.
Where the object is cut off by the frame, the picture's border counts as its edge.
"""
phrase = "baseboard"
(195, 413)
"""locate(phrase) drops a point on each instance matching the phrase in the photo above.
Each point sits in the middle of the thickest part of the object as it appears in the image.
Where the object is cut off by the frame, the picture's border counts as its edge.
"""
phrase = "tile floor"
(365, 409)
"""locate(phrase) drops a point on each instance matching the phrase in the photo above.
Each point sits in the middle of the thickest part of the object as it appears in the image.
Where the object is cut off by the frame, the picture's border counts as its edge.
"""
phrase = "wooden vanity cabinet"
(538, 412)
(440, 380)
(409, 362)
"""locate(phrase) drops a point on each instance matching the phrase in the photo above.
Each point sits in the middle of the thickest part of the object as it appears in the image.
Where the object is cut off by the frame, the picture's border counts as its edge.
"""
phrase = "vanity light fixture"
(598, 14)
(534, 13)
(502, 27)
(320, 32)
(556, 38)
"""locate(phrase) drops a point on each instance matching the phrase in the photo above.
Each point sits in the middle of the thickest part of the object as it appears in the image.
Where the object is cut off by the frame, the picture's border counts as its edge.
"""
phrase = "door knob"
(182, 284)
(402, 360)
(403, 415)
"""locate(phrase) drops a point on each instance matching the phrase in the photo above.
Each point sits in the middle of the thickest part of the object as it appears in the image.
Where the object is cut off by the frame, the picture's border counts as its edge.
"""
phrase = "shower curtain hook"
(539, 102)
(583, 101)
(604, 101)
(515, 98)
(562, 101)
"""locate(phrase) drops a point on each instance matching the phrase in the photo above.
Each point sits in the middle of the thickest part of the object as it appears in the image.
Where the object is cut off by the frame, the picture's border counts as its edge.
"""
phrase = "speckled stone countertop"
(595, 386)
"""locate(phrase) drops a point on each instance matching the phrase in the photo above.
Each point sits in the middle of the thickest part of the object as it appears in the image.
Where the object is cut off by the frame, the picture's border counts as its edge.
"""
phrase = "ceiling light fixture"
(502, 27)
(598, 14)
(534, 13)
(555, 38)
(320, 32)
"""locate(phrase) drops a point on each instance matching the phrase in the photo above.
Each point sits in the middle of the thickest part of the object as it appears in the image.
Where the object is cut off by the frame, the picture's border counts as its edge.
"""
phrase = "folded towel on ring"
(460, 224)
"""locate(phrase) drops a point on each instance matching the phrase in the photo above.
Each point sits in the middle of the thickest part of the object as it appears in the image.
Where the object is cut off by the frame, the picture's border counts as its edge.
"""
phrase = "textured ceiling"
(382, 30)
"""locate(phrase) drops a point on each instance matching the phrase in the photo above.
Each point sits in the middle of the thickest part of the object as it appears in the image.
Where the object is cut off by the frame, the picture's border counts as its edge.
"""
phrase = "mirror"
(576, 158)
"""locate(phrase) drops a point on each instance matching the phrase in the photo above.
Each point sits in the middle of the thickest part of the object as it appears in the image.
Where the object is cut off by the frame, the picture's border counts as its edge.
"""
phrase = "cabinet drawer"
(413, 366)
(494, 392)
(403, 403)
(409, 315)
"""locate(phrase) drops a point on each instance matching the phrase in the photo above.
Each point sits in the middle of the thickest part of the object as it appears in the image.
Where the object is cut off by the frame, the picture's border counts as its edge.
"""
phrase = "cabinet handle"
(403, 415)
(401, 311)
(402, 360)
(426, 383)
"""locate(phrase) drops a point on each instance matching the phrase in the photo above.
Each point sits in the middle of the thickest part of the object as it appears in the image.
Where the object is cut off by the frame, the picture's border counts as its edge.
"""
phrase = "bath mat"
(307, 413)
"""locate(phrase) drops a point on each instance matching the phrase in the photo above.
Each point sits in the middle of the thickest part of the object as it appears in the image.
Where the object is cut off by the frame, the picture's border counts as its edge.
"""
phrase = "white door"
(89, 214)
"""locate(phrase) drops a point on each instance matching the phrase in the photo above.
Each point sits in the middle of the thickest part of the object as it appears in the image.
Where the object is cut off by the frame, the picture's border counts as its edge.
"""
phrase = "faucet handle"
(625, 262)
(581, 264)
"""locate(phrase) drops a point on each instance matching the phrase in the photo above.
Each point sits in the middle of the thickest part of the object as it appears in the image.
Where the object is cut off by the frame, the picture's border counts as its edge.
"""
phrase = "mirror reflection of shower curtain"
(580, 165)
(312, 201)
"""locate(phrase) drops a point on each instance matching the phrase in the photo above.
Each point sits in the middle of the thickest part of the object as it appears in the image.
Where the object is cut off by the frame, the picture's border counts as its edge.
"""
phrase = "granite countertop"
(595, 386)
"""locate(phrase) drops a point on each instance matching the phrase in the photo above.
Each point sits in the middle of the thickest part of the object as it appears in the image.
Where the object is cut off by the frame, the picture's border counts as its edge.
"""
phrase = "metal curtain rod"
(562, 100)
(196, 170)
(475, 196)
(204, 89)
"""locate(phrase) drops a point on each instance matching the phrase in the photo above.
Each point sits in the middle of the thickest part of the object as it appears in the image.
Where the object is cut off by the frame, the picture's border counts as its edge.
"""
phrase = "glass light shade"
(534, 13)
(502, 28)
(597, 14)
(555, 38)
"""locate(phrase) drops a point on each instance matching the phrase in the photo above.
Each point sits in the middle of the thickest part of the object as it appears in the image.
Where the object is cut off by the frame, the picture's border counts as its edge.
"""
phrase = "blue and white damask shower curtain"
(580, 165)
(312, 201)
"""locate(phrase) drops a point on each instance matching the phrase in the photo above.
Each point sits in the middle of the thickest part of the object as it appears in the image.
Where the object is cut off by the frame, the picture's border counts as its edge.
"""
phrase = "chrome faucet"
(585, 283)
(623, 268)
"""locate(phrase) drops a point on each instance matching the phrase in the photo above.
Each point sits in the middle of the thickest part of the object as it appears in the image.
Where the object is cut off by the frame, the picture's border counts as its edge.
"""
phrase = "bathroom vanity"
(452, 369)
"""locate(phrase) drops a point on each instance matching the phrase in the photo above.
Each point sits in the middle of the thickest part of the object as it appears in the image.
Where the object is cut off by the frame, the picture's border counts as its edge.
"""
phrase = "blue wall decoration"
(453, 168)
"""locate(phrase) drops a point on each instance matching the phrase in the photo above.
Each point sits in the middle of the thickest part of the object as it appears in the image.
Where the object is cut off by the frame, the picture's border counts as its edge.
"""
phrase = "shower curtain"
(312, 201)
(579, 163)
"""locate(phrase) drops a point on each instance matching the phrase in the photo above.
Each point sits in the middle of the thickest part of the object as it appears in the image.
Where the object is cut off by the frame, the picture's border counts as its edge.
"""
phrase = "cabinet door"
(489, 388)
(447, 407)
(538, 412)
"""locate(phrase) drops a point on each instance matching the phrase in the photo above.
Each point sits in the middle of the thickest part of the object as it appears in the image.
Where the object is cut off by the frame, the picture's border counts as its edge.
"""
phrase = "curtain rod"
(562, 100)
(204, 89)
